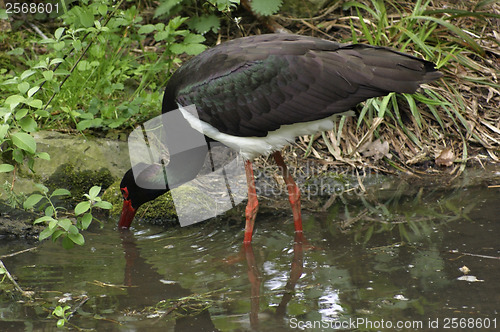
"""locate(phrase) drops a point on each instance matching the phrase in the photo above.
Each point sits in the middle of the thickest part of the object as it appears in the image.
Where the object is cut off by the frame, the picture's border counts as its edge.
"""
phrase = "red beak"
(128, 213)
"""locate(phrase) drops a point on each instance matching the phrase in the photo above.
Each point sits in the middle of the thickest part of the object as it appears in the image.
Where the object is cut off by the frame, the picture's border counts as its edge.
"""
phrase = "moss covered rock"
(77, 181)
(162, 211)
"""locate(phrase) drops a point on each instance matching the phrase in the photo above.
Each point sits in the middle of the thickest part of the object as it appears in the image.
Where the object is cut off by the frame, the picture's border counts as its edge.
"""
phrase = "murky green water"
(369, 263)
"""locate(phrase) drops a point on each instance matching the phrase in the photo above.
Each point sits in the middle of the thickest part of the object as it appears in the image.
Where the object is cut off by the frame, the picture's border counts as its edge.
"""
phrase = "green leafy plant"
(62, 314)
(84, 209)
(266, 7)
(13, 199)
(63, 227)
(77, 82)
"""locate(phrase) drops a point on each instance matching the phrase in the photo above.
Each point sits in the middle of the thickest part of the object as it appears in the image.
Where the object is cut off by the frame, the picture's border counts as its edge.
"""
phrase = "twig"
(82, 302)
(18, 288)
(13, 178)
(37, 30)
(473, 255)
(18, 252)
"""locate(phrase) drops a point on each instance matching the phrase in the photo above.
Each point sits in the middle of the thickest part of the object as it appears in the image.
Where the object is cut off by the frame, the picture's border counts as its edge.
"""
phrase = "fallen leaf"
(376, 149)
(445, 158)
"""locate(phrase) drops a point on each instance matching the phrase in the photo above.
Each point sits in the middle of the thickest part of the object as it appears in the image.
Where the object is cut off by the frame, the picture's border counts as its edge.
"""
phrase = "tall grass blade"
(468, 39)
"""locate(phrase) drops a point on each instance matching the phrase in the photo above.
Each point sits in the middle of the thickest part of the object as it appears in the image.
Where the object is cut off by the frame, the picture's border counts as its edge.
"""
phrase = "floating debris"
(469, 278)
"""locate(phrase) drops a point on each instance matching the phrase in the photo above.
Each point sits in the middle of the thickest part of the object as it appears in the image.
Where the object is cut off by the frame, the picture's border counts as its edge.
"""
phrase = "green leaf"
(3, 130)
(56, 61)
(47, 232)
(77, 238)
(36, 103)
(204, 24)
(41, 188)
(162, 35)
(57, 233)
(49, 211)
(65, 224)
(82, 207)
(194, 39)
(24, 141)
(194, 49)
(104, 205)
(84, 124)
(48, 75)
(16, 51)
(23, 87)
(58, 47)
(28, 124)
(266, 7)
(43, 219)
(58, 33)
(43, 155)
(73, 229)
(86, 220)
(94, 191)
(32, 200)
(21, 113)
(67, 242)
(77, 44)
(33, 90)
(18, 155)
(86, 17)
(102, 9)
(14, 100)
(53, 224)
(5, 168)
(145, 29)
(26, 74)
(60, 192)
(41, 65)
(84, 65)
(165, 7)
(60, 323)
(190, 49)
(42, 113)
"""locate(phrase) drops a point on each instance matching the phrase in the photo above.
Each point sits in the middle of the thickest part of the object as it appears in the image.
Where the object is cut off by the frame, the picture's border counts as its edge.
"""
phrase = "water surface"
(390, 257)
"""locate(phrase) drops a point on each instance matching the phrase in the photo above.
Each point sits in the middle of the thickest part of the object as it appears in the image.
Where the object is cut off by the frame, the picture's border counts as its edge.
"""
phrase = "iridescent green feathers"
(253, 85)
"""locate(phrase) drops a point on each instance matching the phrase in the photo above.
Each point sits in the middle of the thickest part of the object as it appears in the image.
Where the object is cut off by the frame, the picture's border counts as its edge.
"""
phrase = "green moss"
(161, 211)
(192, 199)
(77, 181)
(113, 195)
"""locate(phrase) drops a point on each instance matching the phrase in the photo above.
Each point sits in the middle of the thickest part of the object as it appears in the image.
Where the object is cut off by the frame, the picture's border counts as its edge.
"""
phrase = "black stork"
(256, 94)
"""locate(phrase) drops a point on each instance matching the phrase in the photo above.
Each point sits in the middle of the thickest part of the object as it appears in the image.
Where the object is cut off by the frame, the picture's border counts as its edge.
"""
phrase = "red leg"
(293, 192)
(252, 205)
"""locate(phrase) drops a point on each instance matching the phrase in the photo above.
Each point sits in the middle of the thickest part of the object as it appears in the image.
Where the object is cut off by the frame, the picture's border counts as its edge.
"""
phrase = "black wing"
(253, 85)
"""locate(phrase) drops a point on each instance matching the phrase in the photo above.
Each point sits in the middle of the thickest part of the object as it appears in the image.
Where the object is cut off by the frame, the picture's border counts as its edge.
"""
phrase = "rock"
(16, 223)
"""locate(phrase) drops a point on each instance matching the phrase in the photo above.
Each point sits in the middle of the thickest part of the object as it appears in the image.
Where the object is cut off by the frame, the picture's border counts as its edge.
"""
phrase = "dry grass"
(448, 123)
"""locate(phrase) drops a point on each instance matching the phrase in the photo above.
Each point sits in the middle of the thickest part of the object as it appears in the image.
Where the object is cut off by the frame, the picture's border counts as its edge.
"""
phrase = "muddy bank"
(16, 223)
